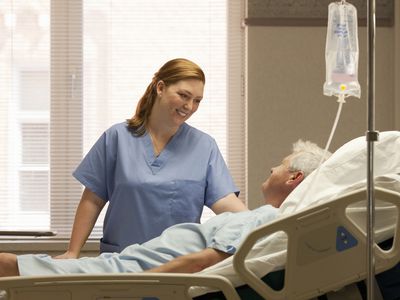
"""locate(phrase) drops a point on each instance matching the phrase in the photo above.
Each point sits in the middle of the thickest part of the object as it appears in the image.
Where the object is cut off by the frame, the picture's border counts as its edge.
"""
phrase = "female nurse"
(154, 170)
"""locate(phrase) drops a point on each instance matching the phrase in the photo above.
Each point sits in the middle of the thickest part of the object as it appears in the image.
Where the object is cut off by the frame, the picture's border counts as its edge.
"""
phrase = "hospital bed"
(325, 252)
(316, 247)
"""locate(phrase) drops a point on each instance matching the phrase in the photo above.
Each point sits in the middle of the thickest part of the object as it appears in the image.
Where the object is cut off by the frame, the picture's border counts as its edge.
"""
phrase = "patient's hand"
(66, 255)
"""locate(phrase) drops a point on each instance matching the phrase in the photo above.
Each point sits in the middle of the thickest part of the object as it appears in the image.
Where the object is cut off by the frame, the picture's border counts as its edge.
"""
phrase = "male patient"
(187, 247)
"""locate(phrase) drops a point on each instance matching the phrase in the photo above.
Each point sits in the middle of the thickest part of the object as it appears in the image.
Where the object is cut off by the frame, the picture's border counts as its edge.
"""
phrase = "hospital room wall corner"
(285, 76)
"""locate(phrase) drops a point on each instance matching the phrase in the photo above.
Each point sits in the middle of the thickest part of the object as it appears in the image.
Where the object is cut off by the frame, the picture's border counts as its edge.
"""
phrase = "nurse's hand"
(67, 255)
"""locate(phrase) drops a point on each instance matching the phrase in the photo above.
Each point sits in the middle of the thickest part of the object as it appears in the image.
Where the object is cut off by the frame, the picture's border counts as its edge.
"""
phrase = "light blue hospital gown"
(148, 194)
(224, 232)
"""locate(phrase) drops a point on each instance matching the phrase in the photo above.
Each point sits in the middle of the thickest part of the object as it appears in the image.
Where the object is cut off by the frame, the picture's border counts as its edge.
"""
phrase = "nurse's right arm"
(86, 215)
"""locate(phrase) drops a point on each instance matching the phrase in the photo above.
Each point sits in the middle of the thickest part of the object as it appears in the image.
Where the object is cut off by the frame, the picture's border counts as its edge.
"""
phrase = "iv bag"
(341, 53)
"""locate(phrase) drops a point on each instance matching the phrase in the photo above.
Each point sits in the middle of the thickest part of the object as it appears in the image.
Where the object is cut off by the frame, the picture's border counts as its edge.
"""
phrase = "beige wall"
(396, 34)
(286, 72)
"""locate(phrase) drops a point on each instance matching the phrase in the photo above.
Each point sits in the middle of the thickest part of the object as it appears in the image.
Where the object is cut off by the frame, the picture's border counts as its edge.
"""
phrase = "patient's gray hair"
(307, 156)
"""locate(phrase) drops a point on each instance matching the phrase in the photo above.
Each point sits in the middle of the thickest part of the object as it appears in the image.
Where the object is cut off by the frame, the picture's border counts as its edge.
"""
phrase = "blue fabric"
(146, 193)
(224, 232)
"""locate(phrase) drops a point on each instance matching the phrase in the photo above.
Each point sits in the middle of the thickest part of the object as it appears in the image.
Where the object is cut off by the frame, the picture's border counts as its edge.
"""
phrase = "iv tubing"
(339, 111)
(328, 143)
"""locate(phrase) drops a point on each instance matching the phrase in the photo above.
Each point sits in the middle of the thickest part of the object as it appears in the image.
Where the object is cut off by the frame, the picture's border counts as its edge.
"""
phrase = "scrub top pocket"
(187, 197)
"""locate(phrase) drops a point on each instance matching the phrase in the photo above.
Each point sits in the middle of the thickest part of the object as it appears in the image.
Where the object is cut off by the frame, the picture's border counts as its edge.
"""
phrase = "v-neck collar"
(154, 162)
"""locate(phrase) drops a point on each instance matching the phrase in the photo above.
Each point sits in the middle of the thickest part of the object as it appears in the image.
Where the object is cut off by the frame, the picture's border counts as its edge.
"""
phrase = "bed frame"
(111, 287)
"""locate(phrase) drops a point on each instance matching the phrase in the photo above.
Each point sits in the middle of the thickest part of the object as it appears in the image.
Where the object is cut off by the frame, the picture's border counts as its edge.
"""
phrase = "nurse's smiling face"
(179, 101)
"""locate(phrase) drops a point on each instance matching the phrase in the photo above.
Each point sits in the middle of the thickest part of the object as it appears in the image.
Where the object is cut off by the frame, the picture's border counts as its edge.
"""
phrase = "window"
(73, 68)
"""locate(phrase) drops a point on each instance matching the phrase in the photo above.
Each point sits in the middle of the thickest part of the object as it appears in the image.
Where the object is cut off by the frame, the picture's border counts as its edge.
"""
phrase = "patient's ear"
(296, 178)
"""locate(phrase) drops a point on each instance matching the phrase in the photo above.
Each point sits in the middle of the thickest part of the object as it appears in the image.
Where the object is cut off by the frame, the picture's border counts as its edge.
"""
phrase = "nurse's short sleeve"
(232, 233)
(219, 180)
(95, 169)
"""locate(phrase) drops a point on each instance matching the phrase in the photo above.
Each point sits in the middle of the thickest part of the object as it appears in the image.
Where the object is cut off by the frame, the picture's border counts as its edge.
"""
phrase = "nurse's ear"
(160, 87)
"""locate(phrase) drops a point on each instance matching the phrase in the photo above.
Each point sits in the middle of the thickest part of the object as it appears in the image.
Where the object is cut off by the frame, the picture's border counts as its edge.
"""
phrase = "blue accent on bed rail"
(344, 239)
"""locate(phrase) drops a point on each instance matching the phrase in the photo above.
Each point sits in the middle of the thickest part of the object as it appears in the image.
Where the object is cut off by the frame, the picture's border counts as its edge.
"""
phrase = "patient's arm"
(192, 263)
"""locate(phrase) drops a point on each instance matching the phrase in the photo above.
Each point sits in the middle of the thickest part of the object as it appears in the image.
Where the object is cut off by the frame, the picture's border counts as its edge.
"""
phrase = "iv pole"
(371, 136)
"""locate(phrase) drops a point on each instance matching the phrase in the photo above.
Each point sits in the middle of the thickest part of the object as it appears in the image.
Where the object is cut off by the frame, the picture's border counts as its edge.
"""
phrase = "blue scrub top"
(148, 194)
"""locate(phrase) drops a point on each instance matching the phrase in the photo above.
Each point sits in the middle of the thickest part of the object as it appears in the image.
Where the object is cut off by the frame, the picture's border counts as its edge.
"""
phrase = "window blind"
(74, 68)
(24, 114)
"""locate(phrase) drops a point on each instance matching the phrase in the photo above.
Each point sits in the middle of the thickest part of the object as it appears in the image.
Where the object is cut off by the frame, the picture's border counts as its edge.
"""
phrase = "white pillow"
(348, 165)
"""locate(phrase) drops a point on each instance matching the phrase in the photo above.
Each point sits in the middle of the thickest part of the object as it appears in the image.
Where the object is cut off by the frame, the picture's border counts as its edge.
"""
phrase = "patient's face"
(274, 188)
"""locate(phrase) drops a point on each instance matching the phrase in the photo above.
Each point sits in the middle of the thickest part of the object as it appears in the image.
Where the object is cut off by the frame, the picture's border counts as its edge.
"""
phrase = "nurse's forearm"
(228, 203)
(87, 213)
(192, 263)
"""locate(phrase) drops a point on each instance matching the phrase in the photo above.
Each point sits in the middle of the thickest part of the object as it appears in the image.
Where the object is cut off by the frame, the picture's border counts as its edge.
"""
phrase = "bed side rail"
(326, 249)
